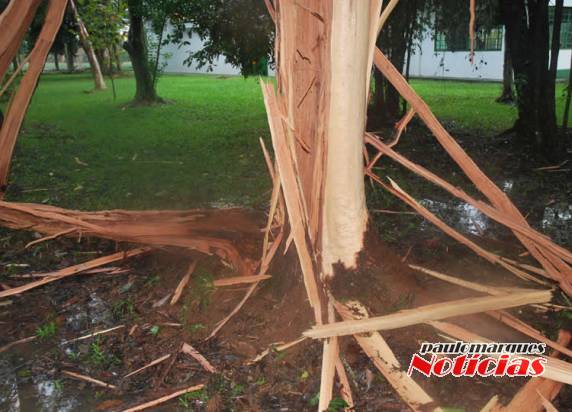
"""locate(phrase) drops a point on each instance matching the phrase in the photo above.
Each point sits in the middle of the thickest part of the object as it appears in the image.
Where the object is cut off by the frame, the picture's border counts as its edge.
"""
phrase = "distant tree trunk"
(507, 94)
(158, 52)
(136, 46)
(89, 52)
(528, 33)
(70, 59)
(56, 62)
(116, 58)
(568, 98)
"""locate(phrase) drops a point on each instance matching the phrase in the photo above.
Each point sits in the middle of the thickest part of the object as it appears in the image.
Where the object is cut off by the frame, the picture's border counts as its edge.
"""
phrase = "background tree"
(239, 30)
(534, 60)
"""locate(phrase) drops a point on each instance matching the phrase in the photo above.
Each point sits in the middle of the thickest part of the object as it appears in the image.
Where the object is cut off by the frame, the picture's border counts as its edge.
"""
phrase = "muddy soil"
(134, 295)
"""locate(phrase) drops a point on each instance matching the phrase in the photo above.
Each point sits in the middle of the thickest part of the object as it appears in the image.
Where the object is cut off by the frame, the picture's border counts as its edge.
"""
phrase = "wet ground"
(134, 297)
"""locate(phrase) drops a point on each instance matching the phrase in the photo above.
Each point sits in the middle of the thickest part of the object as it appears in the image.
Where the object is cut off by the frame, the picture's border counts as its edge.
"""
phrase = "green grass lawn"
(85, 150)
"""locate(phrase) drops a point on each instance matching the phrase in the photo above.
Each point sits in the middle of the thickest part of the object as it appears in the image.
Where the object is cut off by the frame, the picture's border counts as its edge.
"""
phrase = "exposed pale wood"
(54, 236)
(330, 357)
(89, 379)
(345, 388)
(344, 216)
(430, 312)
(189, 350)
(184, 281)
(385, 361)
(164, 399)
(73, 270)
(276, 347)
(152, 363)
(239, 280)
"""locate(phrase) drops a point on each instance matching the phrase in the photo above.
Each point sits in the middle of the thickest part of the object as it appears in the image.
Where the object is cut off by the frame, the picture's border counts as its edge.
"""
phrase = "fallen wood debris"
(150, 364)
(91, 335)
(89, 379)
(184, 281)
(239, 280)
(189, 350)
(428, 313)
(383, 358)
(277, 347)
(18, 342)
(74, 270)
(164, 399)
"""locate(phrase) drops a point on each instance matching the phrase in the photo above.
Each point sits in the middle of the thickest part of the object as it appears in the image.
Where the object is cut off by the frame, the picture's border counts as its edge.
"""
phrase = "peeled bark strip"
(344, 212)
(89, 51)
(19, 104)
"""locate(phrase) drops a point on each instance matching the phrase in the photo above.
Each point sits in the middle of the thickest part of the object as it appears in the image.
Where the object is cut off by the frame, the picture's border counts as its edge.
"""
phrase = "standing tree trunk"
(568, 98)
(70, 59)
(507, 94)
(56, 62)
(89, 52)
(136, 46)
(116, 58)
(528, 33)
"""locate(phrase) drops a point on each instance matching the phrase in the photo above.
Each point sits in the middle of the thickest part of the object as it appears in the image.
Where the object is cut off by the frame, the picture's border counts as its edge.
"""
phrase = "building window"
(566, 27)
(459, 40)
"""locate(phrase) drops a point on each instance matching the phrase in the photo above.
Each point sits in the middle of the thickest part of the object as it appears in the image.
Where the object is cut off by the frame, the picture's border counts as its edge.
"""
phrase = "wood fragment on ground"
(91, 335)
(184, 281)
(191, 351)
(240, 280)
(278, 348)
(18, 342)
(164, 399)
(74, 270)
(383, 358)
(427, 313)
(150, 364)
(89, 379)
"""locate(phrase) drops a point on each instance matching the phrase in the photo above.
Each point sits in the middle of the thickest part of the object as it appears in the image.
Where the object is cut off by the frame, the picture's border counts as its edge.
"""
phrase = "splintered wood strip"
(54, 236)
(91, 335)
(189, 350)
(19, 103)
(18, 342)
(165, 398)
(89, 379)
(14, 23)
(555, 369)
(152, 363)
(330, 357)
(491, 257)
(74, 270)
(276, 347)
(552, 263)
(223, 322)
(345, 388)
(385, 14)
(239, 280)
(485, 208)
(546, 403)
(385, 361)
(472, 30)
(184, 281)
(14, 75)
(427, 313)
(293, 198)
(522, 327)
(197, 229)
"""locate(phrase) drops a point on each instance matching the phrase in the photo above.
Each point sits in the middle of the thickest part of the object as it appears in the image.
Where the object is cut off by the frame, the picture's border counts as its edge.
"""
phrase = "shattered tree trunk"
(89, 51)
(324, 56)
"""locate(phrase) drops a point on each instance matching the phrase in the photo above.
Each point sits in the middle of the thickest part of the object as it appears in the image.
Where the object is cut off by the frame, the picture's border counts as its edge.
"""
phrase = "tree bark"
(568, 98)
(116, 59)
(528, 32)
(69, 59)
(507, 94)
(56, 62)
(136, 47)
(88, 49)
(344, 210)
